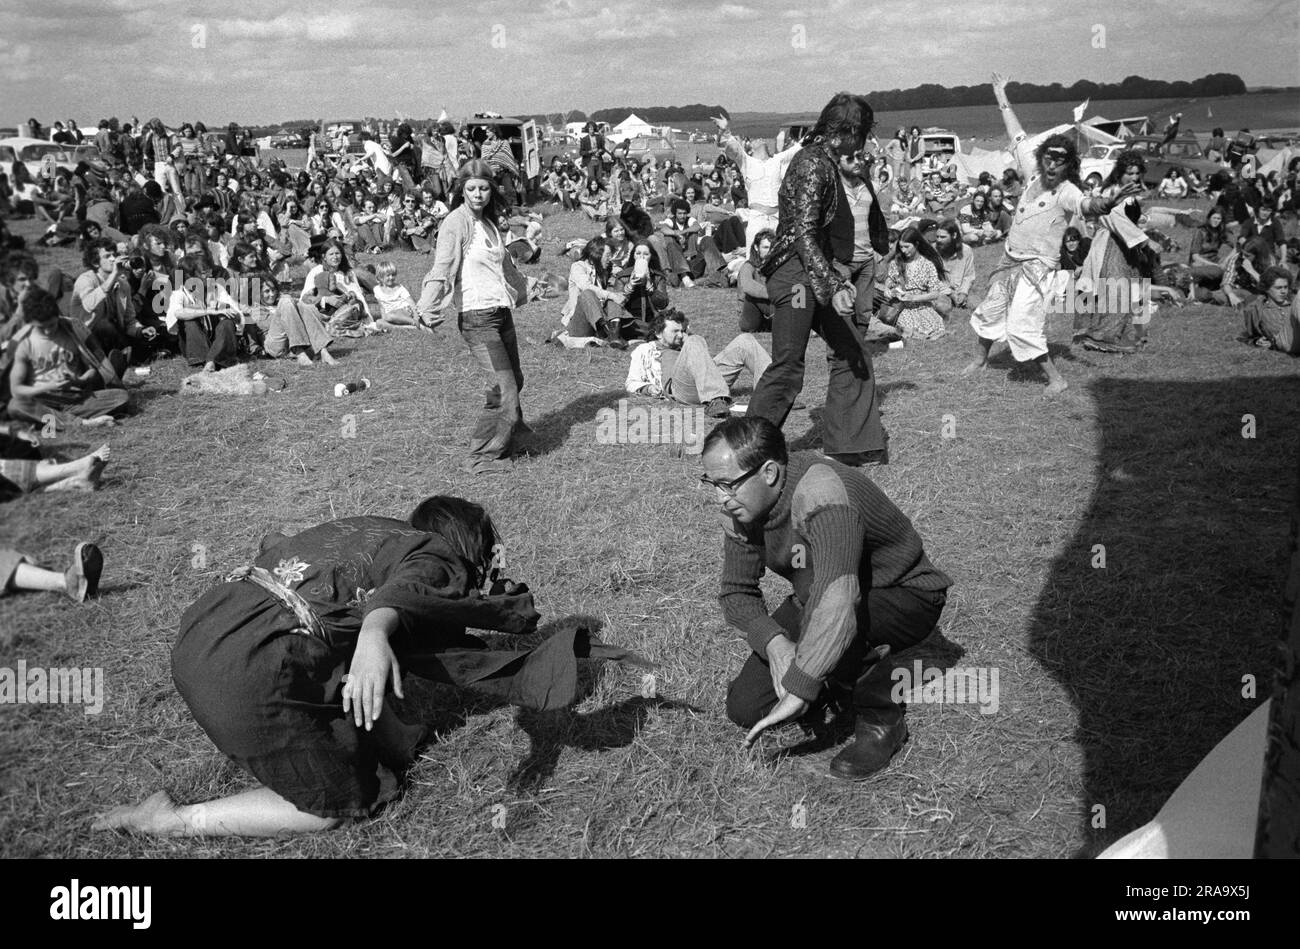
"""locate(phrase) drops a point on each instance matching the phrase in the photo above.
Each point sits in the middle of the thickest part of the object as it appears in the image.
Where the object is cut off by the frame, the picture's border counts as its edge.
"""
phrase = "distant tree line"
(660, 114)
(931, 96)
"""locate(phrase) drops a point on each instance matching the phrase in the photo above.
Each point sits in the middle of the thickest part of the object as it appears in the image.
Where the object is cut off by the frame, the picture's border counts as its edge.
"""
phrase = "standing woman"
(473, 274)
(818, 227)
(896, 154)
(1117, 261)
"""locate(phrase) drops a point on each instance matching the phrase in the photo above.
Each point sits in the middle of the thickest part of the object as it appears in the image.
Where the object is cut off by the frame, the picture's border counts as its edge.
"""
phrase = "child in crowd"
(396, 307)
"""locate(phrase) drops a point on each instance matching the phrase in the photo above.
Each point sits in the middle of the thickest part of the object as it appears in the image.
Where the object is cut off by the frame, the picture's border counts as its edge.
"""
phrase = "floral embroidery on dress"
(291, 571)
(360, 597)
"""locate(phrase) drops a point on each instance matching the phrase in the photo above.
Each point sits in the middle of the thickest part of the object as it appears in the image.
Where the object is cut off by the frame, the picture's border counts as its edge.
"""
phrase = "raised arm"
(1012, 124)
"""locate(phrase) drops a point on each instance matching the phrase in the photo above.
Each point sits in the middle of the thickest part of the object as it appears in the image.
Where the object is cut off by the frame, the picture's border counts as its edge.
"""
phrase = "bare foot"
(75, 483)
(157, 814)
(975, 367)
(1056, 387)
(304, 359)
(98, 459)
(99, 421)
(209, 367)
(327, 359)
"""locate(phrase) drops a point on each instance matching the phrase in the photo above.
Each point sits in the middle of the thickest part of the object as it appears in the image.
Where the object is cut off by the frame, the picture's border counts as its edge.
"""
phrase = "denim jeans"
(490, 335)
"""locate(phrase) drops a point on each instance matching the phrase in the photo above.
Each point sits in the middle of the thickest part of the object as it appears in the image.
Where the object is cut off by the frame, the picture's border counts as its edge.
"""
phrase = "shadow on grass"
(812, 439)
(551, 431)
(615, 726)
(1190, 521)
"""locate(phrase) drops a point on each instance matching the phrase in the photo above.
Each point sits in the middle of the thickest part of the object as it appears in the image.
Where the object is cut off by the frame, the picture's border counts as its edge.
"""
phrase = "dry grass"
(1113, 682)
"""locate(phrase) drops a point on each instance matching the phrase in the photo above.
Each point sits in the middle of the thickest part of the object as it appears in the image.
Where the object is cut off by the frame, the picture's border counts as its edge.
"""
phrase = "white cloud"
(314, 27)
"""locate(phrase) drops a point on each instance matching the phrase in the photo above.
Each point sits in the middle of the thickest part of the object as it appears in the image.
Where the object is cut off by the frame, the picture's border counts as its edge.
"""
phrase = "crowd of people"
(222, 257)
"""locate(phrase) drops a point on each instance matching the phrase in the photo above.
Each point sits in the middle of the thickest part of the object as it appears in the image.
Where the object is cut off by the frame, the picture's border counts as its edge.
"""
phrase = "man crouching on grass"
(862, 586)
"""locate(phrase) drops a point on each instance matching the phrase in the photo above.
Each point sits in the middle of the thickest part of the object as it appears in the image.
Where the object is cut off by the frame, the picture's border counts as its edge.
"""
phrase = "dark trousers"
(851, 420)
(490, 335)
(863, 277)
(729, 235)
(209, 340)
(755, 315)
(893, 616)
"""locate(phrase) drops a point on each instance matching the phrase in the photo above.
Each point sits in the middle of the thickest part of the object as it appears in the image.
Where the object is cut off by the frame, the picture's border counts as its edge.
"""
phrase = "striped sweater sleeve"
(741, 598)
(834, 534)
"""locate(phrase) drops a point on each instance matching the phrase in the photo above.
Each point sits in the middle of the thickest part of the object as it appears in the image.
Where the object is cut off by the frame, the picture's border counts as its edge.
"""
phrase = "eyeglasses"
(732, 486)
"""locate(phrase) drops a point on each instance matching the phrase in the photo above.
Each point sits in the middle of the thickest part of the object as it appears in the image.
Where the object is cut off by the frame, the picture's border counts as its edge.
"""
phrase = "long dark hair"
(1071, 155)
(593, 252)
(913, 236)
(848, 118)
(766, 234)
(464, 525)
(496, 209)
(1071, 260)
(1122, 162)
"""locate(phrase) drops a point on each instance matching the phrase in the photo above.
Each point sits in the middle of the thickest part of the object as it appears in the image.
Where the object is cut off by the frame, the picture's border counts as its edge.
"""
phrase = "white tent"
(631, 127)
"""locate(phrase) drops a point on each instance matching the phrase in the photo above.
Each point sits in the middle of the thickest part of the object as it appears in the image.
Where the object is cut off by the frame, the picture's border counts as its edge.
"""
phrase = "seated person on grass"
(203, 316)
(58, 371)
(755, 305)
(1273, 320)
(591, 313)
(102, 300)
(396, 307)
(677, 365)
(701, 253)
(958, 265)
(283, 326)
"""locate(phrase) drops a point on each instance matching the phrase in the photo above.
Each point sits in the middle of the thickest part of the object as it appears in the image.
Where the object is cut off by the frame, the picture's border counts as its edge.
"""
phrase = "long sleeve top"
(959, 271)
(347, 569)
(833, 534)
(645, 369)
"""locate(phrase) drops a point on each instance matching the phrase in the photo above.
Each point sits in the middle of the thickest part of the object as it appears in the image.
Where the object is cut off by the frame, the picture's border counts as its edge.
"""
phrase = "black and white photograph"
(599, 429)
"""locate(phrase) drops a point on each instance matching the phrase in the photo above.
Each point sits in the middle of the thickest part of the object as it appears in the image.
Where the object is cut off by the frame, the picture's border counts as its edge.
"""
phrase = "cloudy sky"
(264, 61)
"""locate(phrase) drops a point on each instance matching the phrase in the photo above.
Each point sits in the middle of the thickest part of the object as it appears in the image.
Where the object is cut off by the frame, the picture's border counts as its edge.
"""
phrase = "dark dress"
(269, 693)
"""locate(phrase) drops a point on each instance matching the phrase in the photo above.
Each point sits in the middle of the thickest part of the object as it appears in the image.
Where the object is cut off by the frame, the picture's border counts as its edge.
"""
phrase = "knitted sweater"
(832, 534)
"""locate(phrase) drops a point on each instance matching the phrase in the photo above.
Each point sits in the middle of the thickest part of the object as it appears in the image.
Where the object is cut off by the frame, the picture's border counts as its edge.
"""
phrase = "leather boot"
(879, 729)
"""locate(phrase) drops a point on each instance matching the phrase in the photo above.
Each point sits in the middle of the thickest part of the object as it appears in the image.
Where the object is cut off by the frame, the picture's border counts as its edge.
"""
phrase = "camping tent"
(631, 127)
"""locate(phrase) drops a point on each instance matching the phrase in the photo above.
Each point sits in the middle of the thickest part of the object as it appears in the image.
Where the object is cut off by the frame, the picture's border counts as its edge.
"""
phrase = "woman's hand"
(367, 679)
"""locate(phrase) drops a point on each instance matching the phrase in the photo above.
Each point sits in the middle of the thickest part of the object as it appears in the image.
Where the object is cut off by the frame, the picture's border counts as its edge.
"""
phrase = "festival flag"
(1209, 113)
(1080, 109)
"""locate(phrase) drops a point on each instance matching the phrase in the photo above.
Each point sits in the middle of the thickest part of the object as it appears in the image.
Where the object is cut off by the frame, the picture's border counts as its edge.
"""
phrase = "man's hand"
(843, 301)
(721, 123)
(789, 707)
(780, 654)
(999, 83)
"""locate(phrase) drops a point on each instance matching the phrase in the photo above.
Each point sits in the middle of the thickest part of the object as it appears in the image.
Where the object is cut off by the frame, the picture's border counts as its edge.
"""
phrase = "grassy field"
(1113, 681)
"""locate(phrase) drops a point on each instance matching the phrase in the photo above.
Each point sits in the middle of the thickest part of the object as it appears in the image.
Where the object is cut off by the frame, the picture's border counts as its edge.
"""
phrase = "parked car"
(1184, 153)
(1096, 163)
(33, 153)
(642, 148)
(287, 140)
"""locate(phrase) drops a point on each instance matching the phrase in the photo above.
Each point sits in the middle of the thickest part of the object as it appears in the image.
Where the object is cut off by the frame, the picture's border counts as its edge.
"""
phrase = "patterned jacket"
(810, 208)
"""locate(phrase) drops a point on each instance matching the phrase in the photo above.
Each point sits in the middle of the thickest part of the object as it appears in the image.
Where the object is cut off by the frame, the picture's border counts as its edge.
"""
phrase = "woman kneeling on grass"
(286, 665)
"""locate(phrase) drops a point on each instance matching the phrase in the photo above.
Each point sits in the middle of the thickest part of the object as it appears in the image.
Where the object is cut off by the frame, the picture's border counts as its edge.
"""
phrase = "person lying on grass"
(286, 665)
(80, 581)
(24, 471)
